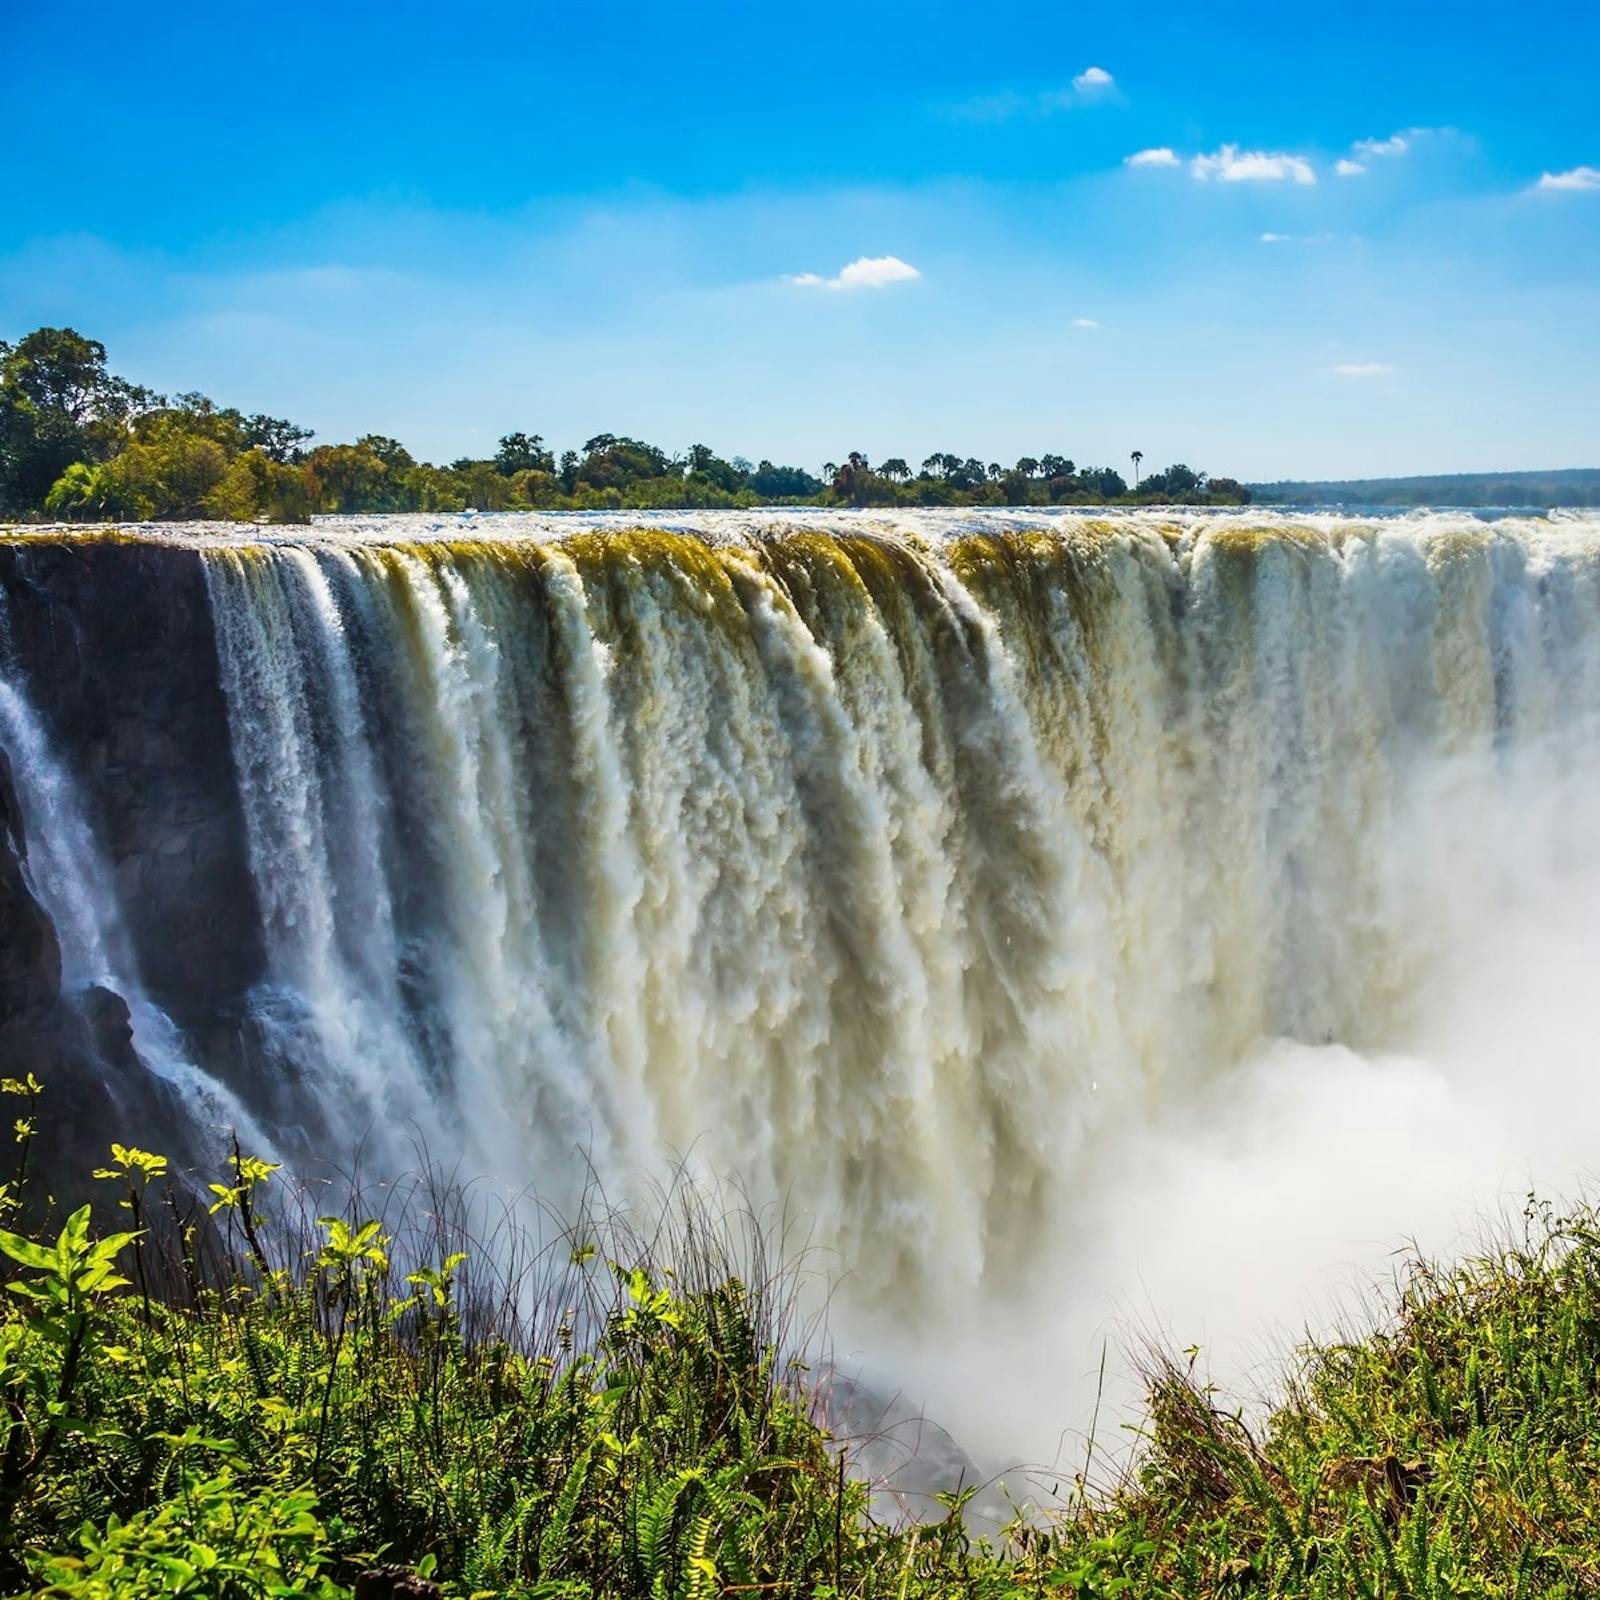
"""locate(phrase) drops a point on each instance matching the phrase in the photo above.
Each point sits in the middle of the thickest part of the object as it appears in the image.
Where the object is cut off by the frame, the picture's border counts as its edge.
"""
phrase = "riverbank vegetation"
(223, 1397)
(78, 443)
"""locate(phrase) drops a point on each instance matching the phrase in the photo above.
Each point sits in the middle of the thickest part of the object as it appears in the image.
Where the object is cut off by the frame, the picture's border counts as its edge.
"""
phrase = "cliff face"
(30, 954)
(113, 650)
(121, 668)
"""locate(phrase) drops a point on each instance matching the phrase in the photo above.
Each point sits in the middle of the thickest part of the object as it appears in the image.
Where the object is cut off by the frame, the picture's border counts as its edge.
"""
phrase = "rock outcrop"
(118, 663)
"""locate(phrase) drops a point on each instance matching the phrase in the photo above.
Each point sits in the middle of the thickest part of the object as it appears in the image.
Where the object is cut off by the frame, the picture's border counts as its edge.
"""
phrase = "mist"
(1278, 1201)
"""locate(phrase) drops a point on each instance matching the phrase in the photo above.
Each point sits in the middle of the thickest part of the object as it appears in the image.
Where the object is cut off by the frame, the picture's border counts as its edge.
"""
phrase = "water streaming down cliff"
(879, 864)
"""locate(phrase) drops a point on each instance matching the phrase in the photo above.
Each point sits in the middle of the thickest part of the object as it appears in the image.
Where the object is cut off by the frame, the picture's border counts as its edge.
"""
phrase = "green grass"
(248, 1403)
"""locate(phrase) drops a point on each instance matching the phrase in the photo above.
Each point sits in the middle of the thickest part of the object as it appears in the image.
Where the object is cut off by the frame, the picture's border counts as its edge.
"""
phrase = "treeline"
(79, 443)
(1572, 486)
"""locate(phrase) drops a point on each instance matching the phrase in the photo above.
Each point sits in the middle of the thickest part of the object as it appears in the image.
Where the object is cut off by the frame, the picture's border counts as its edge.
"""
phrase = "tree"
(58, 405)
(1104, 483)
(258, 488)
(895, 469)
(1027, 466)
(523, 452)
(774, 483)
(170, 475)
(353, 477)
(1138, 456)
(390, 452)
(612, 461)
(276, 439)
(707, 466)
(850, 482)
(76, 495)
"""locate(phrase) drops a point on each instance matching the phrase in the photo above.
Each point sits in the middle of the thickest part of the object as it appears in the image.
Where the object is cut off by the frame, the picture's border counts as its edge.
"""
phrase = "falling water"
(878, 864)
(890, 866)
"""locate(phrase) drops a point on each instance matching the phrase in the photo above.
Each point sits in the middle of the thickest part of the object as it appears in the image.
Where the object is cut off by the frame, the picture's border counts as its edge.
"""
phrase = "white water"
(1073, 919)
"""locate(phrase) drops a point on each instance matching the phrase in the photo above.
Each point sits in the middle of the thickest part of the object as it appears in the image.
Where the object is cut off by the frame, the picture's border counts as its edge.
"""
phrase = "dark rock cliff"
(113, 647)
(116, 648)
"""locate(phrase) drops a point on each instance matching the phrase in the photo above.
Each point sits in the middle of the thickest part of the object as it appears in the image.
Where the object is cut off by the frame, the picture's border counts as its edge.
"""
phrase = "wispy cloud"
(1230, 164)
(1161, 156)
(1361, 369)
(1573, 178)
(1365, 151)
(1296, 238)
(1084, 322)
(1395, 145)
(1092, 86)
(866, 272)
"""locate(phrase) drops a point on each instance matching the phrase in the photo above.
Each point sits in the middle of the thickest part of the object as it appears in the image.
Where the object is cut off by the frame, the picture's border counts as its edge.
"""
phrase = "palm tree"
(1138, 456)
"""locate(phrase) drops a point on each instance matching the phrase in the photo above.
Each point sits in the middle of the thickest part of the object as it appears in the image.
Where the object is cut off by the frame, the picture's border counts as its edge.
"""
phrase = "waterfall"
(881, 864)
(888, 866)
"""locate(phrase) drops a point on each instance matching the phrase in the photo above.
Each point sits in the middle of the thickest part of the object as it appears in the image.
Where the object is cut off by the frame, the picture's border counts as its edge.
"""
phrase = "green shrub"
(233, 1403)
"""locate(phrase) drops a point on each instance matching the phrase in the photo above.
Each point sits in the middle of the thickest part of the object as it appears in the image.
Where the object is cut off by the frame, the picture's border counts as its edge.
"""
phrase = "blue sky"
(793, 231)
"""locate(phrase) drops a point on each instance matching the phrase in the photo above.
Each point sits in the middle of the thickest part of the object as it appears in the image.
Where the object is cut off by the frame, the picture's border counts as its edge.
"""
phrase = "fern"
(553, 1541)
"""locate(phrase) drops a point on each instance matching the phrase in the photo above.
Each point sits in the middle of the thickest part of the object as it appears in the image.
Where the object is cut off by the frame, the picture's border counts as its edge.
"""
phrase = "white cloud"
(1230, 164)
(1361, 369)
(1092, 79)
(1276, 238)
(1348, 169)
(1084, 322)
(1161, 156)
(1575, 178)
(1395, 145)
(1297, 238)
(866, 272)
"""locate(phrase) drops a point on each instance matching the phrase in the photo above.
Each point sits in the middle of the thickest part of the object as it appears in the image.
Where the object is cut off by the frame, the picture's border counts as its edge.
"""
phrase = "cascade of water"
(875, 868)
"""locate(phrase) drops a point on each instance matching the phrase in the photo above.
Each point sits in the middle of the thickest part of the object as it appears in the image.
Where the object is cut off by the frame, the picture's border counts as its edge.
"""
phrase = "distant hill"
(1570, 486)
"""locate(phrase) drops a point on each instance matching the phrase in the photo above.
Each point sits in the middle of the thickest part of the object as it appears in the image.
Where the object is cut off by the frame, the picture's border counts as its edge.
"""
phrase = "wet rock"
(117, 648)
(110, 1027)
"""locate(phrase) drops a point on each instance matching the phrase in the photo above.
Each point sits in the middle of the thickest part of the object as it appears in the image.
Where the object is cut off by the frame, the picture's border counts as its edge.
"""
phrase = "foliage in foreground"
(268, 1411)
